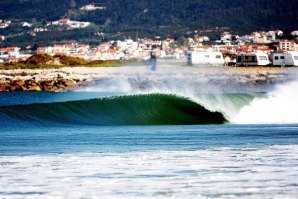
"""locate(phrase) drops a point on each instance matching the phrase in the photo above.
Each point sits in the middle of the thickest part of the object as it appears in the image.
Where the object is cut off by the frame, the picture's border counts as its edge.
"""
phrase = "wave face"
(151, 109)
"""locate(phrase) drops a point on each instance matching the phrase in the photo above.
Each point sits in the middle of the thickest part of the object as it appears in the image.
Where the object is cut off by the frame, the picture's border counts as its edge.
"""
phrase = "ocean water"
(116, 142)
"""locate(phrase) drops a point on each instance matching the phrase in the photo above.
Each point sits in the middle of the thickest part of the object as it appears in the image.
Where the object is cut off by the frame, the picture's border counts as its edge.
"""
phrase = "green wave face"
(151, 109)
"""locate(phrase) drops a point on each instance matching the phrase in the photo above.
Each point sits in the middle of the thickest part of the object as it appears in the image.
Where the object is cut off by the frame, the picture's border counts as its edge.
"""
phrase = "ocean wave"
(146, 109)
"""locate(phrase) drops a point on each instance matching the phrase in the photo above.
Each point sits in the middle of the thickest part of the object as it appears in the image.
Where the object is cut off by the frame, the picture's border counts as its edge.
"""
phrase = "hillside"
(154, 17)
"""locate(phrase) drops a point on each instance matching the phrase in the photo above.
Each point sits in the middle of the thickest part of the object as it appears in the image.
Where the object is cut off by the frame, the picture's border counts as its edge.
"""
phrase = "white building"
(295, 33)
(91, 7)
(71, 24)
(78, 24)
(26, 24)
(40, 30)
(128, 44)
(287, 45)
(4, 25)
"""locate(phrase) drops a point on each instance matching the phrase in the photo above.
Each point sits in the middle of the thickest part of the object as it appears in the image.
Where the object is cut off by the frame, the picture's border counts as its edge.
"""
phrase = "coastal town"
(218, 46)
(138, 48)
(229, 45)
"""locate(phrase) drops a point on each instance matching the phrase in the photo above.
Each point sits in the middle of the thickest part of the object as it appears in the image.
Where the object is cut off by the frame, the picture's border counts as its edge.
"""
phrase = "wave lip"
(150, 109)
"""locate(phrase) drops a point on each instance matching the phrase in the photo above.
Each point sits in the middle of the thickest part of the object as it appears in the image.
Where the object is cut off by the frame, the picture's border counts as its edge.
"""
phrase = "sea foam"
(278, 107)
(265, 172)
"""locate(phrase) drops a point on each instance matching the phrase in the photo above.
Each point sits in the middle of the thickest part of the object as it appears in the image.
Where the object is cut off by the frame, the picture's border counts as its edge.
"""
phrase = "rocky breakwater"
(40, 81)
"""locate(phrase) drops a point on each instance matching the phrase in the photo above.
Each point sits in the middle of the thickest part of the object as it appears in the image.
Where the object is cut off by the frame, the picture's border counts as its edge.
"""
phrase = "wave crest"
(151, 109)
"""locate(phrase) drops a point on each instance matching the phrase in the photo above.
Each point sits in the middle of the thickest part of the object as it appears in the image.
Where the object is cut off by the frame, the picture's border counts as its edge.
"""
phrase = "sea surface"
(149, 144)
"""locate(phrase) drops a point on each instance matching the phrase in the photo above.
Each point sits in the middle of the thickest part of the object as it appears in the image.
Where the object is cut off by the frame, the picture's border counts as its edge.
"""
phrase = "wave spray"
(278, 107)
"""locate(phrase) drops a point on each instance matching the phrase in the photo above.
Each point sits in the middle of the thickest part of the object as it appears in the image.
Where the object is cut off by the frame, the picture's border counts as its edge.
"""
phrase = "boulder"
(20, 83)
(34, 88)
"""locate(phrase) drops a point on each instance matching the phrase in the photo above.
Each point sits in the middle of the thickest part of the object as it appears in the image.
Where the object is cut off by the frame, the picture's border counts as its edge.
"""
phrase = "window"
(217, 56)
(207, 56)
(263, 58)
(246, 57)
(239, 58)
(296, 57)
(276, 58)
(282, 57)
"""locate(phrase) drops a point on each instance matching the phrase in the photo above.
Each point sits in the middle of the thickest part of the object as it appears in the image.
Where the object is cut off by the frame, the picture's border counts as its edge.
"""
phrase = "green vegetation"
(57, 61)
(39, 60)
(143, 18)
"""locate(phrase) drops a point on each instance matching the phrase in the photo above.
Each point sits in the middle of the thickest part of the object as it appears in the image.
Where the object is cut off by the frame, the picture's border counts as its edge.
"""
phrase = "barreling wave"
(150, 109)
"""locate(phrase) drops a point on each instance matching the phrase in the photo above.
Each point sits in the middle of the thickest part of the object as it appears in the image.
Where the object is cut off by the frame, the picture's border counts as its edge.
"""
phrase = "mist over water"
(241, 103)
(278, 107)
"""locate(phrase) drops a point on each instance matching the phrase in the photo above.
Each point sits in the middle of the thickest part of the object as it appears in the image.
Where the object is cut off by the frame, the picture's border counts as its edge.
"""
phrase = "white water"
(268, 172)
(194, 86)
(279, 107)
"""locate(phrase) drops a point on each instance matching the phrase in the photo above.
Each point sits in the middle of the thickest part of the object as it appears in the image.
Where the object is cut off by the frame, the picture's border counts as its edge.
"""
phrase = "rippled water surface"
(46, 159)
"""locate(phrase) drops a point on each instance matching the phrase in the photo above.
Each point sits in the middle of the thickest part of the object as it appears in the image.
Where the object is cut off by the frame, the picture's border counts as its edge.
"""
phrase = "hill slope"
(160, 17)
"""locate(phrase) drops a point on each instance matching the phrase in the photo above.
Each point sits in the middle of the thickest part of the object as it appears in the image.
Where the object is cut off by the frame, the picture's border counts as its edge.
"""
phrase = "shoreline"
(72, 78)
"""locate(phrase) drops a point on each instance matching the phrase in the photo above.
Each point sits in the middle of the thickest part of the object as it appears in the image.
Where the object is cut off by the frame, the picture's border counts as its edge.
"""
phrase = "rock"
(16, 88)
(47, 88)
(20, 83)
(34, 88)
(23, 73)
(5, 87)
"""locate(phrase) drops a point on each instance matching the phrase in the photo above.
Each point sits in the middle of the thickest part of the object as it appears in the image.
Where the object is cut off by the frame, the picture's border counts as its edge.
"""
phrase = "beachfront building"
(286, 45)
(13, 51)
(70, 49)
(45, 50)
(73, 49)
(202, 48)
(110, 54)
(266, 37)
(225, 49)
(260, 38)
(248, 48)
(12, 54)
(127, 44)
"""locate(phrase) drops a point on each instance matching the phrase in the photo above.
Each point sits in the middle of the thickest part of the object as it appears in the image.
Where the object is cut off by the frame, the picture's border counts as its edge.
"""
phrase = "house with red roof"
(40, 29)
(4, 25)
